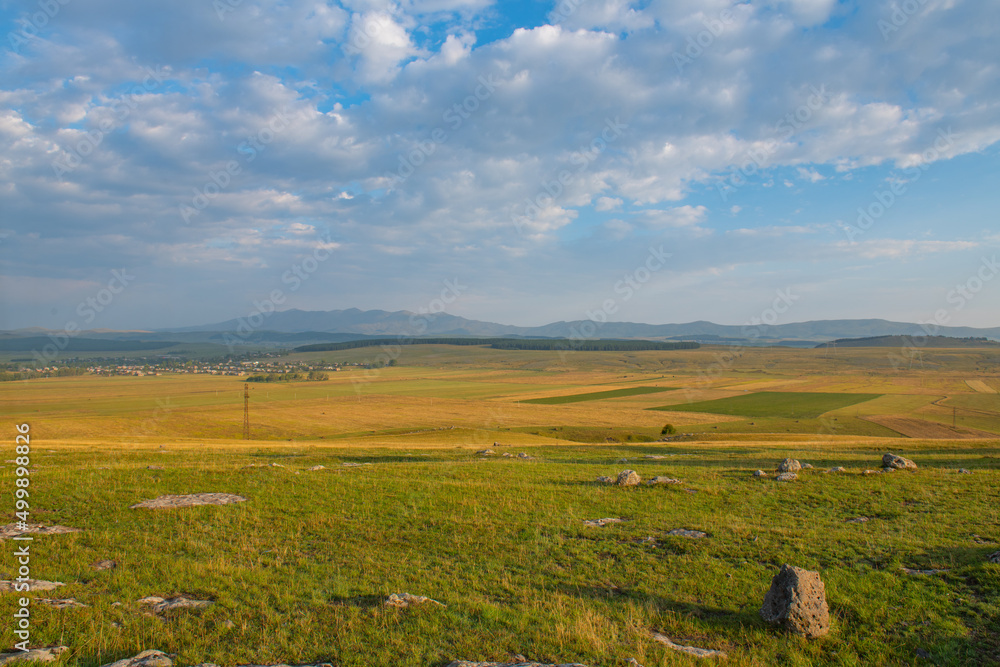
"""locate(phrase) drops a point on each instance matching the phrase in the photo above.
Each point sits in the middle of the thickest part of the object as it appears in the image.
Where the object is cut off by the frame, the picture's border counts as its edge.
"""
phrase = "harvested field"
(921, 428)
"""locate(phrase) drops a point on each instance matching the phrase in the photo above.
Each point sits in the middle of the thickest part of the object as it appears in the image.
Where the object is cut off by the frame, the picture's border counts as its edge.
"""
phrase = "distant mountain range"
(405, 323)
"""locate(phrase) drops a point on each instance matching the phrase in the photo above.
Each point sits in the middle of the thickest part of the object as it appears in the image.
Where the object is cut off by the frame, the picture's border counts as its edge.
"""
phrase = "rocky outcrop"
(628, 478)
(897, 462)
(789, 465)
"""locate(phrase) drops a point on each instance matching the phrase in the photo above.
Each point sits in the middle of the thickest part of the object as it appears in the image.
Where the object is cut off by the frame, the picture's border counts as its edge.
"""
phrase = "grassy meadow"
(298, 572)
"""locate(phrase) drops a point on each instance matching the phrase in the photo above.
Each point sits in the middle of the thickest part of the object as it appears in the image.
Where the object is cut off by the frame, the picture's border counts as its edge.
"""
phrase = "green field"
(597, 395)
(774, 404)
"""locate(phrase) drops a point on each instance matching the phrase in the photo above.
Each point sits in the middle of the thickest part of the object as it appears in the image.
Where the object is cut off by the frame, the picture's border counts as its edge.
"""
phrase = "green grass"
(774, 404)
(597, 395)
(297, 573)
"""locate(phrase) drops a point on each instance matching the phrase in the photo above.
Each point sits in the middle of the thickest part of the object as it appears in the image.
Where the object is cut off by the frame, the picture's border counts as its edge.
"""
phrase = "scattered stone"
(628, 478)
(507, 455)
(807, 466)
(894, 461)
(33, 585)
(603, 479)
(887, 469)
(523, 455)
(49, 654)
(789, 465)
(12, 530)
(150, 658)
(520, 663)
(404, 600)
(857, 519)
(994, 557)
(691, 490)
(600, 523)
(486, 452)
(869, 472)
(189, 500)
(655, 456)
(106, 564)
(622, 460)
(786, 477)
(922, 573)
(65, 603)
(963, 471)
(797, 600)
(161, 605)
(154, 468)
(664, 480)
(837, 469)
(683, 532)
(350, 464)
(759, 473)
(690, 650)
(315, 468)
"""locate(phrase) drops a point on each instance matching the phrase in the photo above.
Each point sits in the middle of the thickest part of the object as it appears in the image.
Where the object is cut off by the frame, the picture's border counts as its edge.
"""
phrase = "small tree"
(668, 430)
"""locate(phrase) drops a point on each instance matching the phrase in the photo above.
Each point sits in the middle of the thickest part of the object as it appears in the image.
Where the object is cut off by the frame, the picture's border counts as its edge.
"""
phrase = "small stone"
(683, 532)
(161, 605)
(154, 467)
(690, 650)
(664, 480)
(189, 500)
(628, 478)
(600, 523)
(807, 466)
(33, 585)
(351, 464)
(994, 557)
(603, 479)
(105, 564)
(786, 477)
(789, 465)
(857, 519)
(921, 573)
(898, 462)
(963, 471)
(523, 455)
(316, 468)
(49, 654)
(228, 624)
(404, 600)
(837, 469)
(150, 658)
(869, 472)
(622, 460)
(65, 603)
(887, 469)
(12, 530)
(759, 473)
(486, 452)
(797, 600)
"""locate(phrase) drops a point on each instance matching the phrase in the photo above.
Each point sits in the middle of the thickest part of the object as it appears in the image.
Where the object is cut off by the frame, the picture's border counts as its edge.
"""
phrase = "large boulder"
(789, 465)
(898, 462)
(797, 600)
(628, 478)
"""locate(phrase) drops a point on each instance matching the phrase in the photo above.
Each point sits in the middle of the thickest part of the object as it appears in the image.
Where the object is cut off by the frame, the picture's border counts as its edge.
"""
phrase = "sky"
(181, 163)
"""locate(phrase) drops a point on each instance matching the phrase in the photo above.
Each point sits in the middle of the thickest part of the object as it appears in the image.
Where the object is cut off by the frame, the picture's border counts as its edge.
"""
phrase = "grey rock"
(316, 468)
(921, 573)
(807, 466)
(49, 654)
(404, 600)
(683, 532)
(600, 523)
(65, 603)
(659, 479)
(994, 557)
(797, 601)
(189, 500)
(105, 564)
(789, 465)
(628, 478)
(33, 585)
(604, 479)
(486, 452)
(837, 469)
(857, 519)
(12, 530)
(150, 658)
(759, 473)
(898, 462)
(161, 605)
(963, 471)
(786, 477)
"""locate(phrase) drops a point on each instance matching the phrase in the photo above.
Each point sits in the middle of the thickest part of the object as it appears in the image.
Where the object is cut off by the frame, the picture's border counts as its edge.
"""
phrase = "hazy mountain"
(404, 323)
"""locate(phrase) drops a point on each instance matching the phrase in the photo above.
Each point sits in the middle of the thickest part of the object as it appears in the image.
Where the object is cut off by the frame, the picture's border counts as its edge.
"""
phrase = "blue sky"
(323, 155)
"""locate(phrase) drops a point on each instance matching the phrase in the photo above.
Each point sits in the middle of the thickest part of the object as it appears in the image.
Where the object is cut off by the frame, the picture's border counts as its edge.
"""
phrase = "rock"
(760, 473)
(154, 467)
(161, 605)
(104, 565)
(690, 650)
(33, 585)
(12, 530)
(898, 462)
(603, 479)
(664, 480)
(404, 600)
(922, 573)
(150, 658)
(837, 469)
(507, 455)
(857, 519)
(807, 466)
(786, 477)
(628, 478)
(523, 455)
(600, 523)
(622, 460)
(797, 600)
(315, 468)
(351, 464)
(789, 465)
(189, 500)
(887, 469)
(994, 557)
(65, 603)
(963, 471)
(486, 452)
(49, 654)
(869, 472)
(683, 532)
